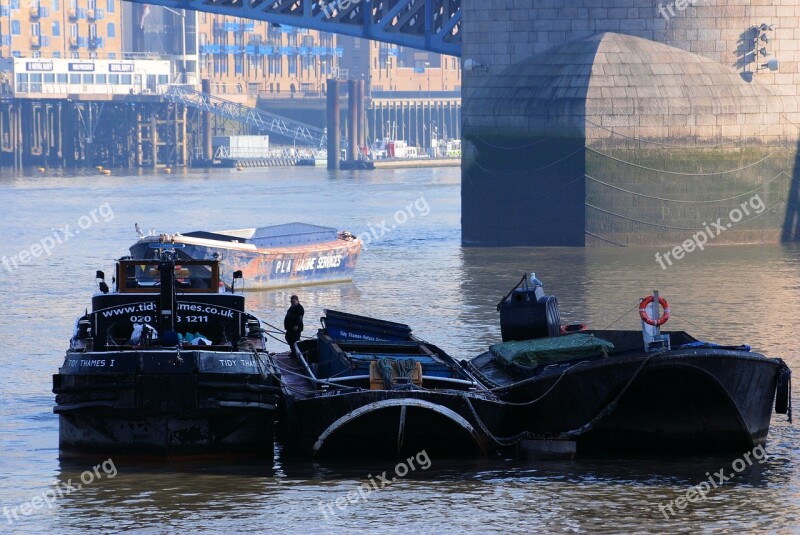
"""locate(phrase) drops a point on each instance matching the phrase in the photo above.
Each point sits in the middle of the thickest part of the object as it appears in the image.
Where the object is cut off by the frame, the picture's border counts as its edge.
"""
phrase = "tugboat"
(166, 364)
(615, 391)
(368, 387)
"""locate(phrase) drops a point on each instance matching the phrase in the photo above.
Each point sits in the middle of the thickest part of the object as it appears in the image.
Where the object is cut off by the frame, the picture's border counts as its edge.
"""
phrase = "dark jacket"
(294, 317)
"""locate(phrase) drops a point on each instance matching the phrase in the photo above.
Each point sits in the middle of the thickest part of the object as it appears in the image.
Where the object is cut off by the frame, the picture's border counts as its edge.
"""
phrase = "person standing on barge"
(293, 322)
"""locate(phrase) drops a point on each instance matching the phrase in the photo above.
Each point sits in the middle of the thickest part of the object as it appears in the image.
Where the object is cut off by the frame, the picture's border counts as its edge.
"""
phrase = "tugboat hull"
(207, 403)
(224, 433)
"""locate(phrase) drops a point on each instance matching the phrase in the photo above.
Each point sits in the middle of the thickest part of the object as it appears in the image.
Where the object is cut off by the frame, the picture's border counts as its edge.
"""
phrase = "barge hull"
(322, 263)
(385, 423)
(682, 401)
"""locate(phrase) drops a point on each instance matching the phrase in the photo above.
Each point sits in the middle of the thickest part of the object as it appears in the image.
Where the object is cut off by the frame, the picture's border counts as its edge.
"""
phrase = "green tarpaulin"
(551, 350)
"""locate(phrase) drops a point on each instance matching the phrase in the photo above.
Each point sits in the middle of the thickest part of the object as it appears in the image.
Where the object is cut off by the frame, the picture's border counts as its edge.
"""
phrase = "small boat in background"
(615, 391)
(368, 387)
(277, 256)
(166, 364)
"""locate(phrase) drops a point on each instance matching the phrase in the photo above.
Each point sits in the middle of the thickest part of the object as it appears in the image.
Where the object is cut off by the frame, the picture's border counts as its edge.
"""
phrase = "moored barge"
(368, 387)
(627, 392)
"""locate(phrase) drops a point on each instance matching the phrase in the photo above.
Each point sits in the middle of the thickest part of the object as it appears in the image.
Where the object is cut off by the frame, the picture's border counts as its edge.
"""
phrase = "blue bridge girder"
(432, 25)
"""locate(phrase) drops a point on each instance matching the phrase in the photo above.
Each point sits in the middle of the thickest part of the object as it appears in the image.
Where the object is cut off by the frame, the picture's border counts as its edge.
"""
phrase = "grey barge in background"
(166, 364)
(278, 256)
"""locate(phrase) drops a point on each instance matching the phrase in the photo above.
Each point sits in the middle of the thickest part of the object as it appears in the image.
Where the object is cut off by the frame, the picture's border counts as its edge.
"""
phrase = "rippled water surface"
(416, 273)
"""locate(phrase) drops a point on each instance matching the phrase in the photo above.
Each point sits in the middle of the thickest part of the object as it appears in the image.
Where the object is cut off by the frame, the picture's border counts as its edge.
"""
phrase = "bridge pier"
(584, 125)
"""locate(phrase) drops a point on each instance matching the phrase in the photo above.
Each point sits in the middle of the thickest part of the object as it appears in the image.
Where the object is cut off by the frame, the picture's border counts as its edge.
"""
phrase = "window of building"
(56, 29)
(92, 5)
(73, 4)
(113, 79)
(88, 78)
(111, 30)
(74, 55)
(73, 30)
(35, 29)
(92, 31)
(55, 5)
(112, 55)
(61, 78)
(57, 54)
(110, 6)
(100, 79)
(15, 27)
(126, 79)
(75, 79)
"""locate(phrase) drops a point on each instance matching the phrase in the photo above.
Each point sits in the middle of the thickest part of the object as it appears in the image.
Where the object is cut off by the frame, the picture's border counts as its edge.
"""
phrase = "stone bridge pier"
(637, 123)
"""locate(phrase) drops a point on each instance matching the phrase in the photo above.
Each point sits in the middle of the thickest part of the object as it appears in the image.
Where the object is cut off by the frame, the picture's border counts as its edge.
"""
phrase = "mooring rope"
(688, 201)
(640, 140)
(717, 173)
(678, 228)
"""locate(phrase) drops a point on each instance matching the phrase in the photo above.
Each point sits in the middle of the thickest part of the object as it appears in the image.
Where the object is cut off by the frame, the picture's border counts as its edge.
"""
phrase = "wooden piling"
(352, 121)
(362, 113)
(333, 124)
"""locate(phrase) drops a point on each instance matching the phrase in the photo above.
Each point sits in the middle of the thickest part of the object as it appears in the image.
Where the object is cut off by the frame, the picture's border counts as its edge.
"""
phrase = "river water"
(415, 271)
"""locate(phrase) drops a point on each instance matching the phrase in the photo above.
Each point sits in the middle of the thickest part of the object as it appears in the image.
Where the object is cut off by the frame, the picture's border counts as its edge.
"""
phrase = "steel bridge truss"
(432, 25)
(262, 120)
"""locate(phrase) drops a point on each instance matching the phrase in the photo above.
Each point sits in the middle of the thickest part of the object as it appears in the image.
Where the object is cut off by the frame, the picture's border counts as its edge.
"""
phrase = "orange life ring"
(647, 319)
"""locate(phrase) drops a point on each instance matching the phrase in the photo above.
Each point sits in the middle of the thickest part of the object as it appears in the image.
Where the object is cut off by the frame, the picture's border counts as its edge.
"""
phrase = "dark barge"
(165, 364)
(632, 392)
(368, 387)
